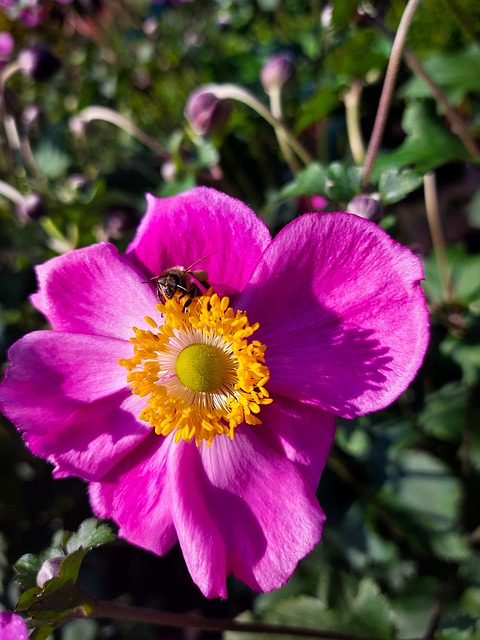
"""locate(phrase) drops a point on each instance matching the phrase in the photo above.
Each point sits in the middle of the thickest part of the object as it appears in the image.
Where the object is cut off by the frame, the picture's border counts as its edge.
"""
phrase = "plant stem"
(387, 91)
(352, 110)
(11, 193)
(275, 98)
(234, 92)
(436, 232)
(115, 610)
(109, 115)
(457, 123)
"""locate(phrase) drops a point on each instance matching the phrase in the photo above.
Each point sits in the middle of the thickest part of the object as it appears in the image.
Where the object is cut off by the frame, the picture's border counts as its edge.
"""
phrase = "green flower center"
(200, 367)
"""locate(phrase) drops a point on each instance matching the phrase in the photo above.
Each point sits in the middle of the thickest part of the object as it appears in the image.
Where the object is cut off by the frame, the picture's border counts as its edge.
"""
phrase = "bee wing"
(199, 275)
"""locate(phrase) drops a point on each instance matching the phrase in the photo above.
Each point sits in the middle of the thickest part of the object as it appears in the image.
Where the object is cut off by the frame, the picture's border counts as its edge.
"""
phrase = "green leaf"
(424, 497)
(309, 182)
(80, 630)
(368, 612)
(428, 144)
(52, 159)
(413, 606)
(444, 415)
(41, 633)
(343, 12)
(465, 352)
(91, 533)
(473, 210)
(456, 73)
(394, 184)
(28, 566)
(343, 181)
(317, 107)
(454, 633)
(464, 269)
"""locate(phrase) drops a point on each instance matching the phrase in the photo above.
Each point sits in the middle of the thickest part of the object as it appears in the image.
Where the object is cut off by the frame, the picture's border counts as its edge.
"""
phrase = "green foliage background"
(400, 557)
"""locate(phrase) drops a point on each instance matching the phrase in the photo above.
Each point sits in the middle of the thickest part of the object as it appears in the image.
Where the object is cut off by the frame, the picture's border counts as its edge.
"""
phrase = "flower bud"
(118, 220)
(49, 569)
(365, 206)
(168, 171)
(276, 71)
(6, 47)
(206, 112)
(38, 62)
(31, 207)
(308, 204)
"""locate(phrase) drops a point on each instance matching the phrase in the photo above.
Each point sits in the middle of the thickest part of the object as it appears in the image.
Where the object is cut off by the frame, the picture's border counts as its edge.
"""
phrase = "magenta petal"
(136, 495)
(69, 396)
(231, 517)
(12, 626)
(95, 291)
(300, 432)
(201, 223)
(342, 313)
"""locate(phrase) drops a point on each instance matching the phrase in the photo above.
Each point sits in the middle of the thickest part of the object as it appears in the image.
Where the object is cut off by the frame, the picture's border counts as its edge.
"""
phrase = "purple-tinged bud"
(30, 208)
(49, 569)
(276, 71)
(366, 206)
(6, 47)
(205, 111)
(168, 171)
(31, 115)
(118, 220)
(38, 62)
(77, 125)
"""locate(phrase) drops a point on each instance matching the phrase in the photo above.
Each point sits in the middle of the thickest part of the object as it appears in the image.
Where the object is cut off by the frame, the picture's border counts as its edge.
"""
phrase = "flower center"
(198, 371)
(200, 367)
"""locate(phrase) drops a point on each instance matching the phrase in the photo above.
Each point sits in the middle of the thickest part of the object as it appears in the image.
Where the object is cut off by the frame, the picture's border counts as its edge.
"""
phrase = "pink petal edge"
(219, 231)
(344, 319)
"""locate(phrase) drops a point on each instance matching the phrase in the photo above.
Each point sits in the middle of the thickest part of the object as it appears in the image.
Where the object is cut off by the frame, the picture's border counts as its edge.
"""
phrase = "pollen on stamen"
(217, 384)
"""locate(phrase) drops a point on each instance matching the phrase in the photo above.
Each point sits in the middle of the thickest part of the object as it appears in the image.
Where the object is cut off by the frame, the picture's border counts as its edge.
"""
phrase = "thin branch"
(436, 232)
(352, 111)
(387, 91)
(234, 92)
(95, 112)
(457, 123)
(275, 98)
(115, 610)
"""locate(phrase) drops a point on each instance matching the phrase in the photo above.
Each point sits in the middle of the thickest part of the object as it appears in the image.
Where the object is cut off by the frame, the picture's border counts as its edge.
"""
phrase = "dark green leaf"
(368, 613)
(317, 107)
(453, 633)
(428, 144)
(91, 533)
(424, 497)
(42, 633)
(473, 210)
(343, 182)
(309, 182)
(456, 73)
(394, 184)
(444, 415)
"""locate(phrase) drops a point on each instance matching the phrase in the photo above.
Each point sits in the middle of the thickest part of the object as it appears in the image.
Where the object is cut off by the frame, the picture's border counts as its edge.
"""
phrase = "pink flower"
(199, 425)
(7, 44)
(12, 626)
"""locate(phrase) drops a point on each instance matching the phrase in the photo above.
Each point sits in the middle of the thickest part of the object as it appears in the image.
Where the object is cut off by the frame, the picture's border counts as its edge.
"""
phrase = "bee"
(179, 280)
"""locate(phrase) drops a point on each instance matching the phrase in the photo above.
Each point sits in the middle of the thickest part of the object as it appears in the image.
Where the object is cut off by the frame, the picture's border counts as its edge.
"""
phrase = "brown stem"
(457, 123)
(387, 91)
(462, 18)
(115, 610)
(436, 232)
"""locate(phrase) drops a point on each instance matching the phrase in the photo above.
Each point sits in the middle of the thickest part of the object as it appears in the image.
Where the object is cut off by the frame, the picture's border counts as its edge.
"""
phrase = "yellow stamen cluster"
(198, 370)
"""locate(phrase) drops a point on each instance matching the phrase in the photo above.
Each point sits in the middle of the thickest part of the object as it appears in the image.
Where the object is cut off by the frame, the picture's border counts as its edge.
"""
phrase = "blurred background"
(100, 103)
